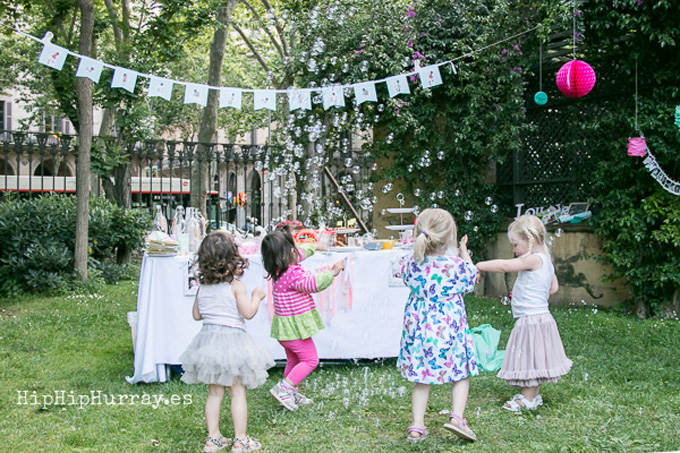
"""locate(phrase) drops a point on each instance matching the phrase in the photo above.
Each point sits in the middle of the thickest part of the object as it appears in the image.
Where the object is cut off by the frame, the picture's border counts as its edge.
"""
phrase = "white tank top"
(217, 305)
(532, 289)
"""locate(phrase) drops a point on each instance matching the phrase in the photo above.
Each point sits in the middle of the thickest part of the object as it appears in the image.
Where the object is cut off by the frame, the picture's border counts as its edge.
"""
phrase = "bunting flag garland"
(333, 96)
(430, 76)
(124, 78)
(657, 173)
(230, 97)
(397, 85)
(160, 87)
(53, 56)
(299, 99)
(264, 99)
(92, 69)
(196, 94)
(365, 92)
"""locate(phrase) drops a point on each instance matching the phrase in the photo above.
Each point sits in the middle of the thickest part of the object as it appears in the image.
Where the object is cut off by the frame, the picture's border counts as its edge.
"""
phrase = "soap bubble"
(348, 162)
(387, 187)
(363, 66)
(389, 138)
(417, 192)
(311, 65)
(440, 194)
(356, 169)
(457, 193)
(505, 300)
(409, 168)
(469, 215)
(488, 201)
(441, 155)
(258, 166)
(550, 241)
(382, 212)
(558, 232)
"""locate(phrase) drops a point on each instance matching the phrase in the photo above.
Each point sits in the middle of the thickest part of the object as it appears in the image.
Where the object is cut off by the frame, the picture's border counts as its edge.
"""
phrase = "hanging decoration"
(657, 173)
(540, 98)
(637, 146)
(575, 79)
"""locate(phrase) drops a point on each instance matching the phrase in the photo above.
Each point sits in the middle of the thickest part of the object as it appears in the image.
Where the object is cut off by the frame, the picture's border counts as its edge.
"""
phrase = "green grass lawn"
(623, 393)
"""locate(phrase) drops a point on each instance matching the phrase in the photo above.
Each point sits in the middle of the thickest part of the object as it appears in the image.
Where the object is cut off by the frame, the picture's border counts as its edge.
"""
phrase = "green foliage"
(638, 219)
(439, 142)
(37, 240)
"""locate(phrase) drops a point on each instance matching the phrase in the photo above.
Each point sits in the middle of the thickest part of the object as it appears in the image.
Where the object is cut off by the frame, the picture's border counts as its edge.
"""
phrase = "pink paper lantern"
(637, 146)
(575, 79)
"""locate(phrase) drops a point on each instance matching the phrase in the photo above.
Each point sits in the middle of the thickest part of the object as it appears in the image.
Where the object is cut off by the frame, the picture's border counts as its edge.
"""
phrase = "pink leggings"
(302, 359)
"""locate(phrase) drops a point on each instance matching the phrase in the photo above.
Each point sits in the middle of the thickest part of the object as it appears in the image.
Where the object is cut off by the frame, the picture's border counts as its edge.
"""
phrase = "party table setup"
(362, 311)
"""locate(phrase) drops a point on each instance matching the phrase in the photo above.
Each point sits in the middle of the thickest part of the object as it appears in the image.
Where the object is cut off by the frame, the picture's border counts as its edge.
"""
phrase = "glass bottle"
(160, 223)
(178, 223)
(193, 230)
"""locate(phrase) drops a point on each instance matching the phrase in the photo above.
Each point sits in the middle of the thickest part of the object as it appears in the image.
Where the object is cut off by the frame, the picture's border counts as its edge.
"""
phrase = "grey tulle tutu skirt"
(534, 354)
(225, 356)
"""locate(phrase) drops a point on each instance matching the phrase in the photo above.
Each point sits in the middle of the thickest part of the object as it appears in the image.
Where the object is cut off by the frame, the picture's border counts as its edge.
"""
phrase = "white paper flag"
(333, 96)
(92, 69)
(230, 97)
(430, 76)
(195, 93)
(265, 99)
(397, 85)
(300, 99)
(365, 92)
(53, 56)
(124, 78)
(160, 87)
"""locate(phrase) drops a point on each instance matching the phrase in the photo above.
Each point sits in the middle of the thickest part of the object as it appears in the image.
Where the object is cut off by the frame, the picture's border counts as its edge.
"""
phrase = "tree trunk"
(200, 179)
(84, 94)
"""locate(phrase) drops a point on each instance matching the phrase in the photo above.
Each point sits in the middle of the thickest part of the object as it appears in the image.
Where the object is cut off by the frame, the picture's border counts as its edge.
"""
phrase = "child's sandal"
(460, 429)
(415, 429)
(218, 444)
(519, 402)
(246, 444)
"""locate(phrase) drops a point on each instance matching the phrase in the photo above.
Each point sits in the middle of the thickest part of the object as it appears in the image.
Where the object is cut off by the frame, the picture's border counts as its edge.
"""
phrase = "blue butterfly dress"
(436, 343)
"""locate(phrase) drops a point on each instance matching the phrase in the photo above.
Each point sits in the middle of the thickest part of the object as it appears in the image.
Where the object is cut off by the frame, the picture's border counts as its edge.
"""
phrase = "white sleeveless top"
(217, 305)
(532, 289)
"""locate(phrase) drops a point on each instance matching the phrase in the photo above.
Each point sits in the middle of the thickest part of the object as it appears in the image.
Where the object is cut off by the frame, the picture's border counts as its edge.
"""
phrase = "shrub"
(37, 240)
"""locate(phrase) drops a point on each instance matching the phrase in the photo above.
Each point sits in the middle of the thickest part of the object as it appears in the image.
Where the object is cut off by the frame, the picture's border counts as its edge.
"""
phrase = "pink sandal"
(415, 429)
(460, 429)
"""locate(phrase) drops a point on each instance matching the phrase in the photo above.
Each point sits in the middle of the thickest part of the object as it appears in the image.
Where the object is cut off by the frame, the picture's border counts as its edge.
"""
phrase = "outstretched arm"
(246, 306)
(462, 249)
(526, 263)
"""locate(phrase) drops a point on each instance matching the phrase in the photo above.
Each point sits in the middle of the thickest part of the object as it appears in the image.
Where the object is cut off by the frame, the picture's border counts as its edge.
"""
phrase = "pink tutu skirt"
(534, 354)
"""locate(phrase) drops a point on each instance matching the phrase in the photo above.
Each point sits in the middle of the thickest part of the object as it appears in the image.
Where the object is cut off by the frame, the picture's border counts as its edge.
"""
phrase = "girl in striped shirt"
(295, 316)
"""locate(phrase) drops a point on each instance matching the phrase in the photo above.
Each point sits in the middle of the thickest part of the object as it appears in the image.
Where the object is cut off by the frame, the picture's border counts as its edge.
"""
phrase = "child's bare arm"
(526, 263)
(247, 306)
(555, 285)
(195, 312)
(462, 249)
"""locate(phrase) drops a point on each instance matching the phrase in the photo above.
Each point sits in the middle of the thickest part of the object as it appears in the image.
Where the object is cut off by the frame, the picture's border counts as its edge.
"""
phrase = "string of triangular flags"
(54, 56)
(657, 173)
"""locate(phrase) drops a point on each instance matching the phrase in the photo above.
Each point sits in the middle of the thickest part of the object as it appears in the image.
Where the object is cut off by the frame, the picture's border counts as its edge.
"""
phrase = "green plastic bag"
(486, 340)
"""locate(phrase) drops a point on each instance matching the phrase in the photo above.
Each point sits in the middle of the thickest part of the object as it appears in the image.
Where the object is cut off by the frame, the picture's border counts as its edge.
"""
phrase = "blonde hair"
(434, 232)
(531, 229)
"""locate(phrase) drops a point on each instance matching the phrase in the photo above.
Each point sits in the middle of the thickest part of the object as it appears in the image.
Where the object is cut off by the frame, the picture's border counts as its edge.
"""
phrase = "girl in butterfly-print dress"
(436, 343)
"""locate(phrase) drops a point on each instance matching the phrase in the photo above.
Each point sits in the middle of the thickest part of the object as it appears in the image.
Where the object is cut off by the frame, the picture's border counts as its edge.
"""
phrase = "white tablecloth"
(369, 328)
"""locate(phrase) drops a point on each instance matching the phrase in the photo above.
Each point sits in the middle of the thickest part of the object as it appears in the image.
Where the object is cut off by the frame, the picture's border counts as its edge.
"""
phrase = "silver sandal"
(247, 444)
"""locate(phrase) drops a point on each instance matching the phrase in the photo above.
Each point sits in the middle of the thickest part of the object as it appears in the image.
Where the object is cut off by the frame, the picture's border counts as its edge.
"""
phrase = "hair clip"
(424, 232)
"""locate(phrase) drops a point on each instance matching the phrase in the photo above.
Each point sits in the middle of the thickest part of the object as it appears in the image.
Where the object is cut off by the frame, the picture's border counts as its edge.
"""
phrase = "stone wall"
(578, 272)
